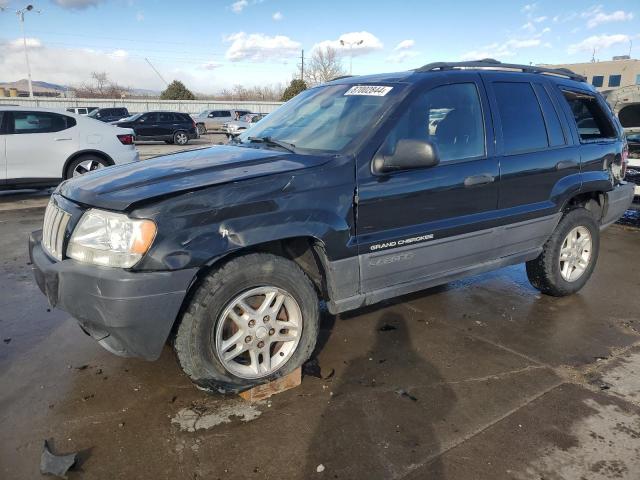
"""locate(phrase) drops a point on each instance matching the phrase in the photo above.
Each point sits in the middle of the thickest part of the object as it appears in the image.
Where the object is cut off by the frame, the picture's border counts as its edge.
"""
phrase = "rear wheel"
(84, 164)
(201, 129)
(180, 138)
(250, 322)
(569, 256)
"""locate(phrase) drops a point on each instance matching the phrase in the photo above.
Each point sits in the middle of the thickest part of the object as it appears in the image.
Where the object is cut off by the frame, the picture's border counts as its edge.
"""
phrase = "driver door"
(424, 223)
(147, 126)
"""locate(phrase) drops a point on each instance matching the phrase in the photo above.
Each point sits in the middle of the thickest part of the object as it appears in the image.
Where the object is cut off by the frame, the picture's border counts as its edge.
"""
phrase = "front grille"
(53, 229)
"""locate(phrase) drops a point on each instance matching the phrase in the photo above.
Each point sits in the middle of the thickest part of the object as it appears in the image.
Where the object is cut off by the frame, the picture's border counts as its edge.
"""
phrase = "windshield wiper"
(272, 141)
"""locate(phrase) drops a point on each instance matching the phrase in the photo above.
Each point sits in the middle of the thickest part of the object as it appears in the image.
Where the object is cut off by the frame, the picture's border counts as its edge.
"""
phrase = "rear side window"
(119, 111)
(523, 127)
(551, 119)
(165, 117)
(40, 122)
(2, 125)
(592, 120)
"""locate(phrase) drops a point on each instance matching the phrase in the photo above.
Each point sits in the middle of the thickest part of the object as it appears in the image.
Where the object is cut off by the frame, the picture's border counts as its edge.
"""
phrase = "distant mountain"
(38, 86)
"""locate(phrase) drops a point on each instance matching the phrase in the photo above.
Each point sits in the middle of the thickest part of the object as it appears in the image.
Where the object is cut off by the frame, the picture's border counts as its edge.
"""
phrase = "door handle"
(61, 139)
(475, 180)
(564, 164)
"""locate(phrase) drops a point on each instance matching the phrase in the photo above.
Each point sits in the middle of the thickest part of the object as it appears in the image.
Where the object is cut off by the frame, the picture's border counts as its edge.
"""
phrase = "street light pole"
(20, 14)
(351, 44)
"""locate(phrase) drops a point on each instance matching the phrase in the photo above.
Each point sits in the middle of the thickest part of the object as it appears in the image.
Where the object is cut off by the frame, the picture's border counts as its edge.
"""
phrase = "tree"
(100, 86)
(177, 91)
(295, 87)
(324, 65)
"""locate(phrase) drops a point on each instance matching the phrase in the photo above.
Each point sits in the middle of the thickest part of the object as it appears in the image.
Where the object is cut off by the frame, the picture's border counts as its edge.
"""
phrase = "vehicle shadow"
(381, 420)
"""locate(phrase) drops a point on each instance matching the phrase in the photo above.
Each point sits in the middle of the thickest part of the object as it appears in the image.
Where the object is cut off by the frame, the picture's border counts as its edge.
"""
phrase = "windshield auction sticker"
(370, 90)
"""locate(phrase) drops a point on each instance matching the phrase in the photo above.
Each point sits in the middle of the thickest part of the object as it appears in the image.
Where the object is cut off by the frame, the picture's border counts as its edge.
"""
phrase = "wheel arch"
(592, 200)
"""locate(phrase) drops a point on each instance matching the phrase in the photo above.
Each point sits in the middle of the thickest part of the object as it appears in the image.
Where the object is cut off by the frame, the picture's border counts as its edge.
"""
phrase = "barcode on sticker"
(371, 90)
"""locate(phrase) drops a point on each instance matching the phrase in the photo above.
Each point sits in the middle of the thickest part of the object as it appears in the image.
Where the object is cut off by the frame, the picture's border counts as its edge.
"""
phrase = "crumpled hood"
(119, 187)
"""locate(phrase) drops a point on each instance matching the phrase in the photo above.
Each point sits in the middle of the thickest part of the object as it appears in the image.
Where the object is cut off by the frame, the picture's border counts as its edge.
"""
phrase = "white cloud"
(77, 4)
(405, 44)
(355, 43)
(529, 7)
(529, 27)
(277, 16)
(501, 50)
(238, 6)
(402, 56)
(211, 65)
(599, 17)
(260, 47)
(31, 43)
(598, 42)
(119, 53)
(540, 19)
(140, 17)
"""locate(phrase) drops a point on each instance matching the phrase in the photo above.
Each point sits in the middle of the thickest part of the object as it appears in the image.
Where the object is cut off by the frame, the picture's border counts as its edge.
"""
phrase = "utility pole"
(302, 65)
(20, 14)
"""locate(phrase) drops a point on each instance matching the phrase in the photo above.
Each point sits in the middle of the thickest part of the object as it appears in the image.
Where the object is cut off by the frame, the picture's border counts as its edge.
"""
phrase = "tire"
(200, 333)
(201, 129)
(83, 164)
(180, 137)
(552, 276)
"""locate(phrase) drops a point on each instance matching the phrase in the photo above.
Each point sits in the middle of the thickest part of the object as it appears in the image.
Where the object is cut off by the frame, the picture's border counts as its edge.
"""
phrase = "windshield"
(325, 119)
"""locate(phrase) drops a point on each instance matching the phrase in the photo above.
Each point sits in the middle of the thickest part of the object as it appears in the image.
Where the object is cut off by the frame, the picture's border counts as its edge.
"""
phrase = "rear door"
(538, 159)
(419, 224)
(167, 124)
(38, 144)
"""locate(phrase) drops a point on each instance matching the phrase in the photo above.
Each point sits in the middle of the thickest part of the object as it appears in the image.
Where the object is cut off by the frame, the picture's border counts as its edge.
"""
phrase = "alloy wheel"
(575, 254)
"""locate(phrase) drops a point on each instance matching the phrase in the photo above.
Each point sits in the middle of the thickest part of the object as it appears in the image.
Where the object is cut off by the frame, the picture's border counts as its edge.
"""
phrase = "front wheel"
(569, 256)
(251, 321)
(201, 129)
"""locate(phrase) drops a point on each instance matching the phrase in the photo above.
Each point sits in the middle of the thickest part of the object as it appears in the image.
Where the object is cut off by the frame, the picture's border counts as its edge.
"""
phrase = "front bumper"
(129, 313)
(617, 202)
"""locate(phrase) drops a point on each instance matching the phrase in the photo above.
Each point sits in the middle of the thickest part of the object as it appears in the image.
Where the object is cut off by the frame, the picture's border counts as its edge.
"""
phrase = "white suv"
(40, 147)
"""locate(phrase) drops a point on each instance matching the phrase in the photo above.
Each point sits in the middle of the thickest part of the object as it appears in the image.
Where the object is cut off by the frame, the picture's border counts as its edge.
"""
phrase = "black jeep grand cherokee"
(355, 191)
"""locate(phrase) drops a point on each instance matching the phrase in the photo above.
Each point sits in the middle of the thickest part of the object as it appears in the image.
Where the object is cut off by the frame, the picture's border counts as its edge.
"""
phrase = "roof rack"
(341, 77)
(495, 64)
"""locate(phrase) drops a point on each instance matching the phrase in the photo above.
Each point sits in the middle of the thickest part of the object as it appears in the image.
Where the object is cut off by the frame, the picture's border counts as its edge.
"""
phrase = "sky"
(215, 44)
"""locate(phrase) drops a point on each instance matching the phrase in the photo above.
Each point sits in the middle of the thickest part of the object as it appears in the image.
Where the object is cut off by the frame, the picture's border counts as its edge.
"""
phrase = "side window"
(555, 133)
(523, 127)
(165, 118)
(449, 116)
(592, 120)
(150, 118)
(40, 122)
(2, 125)
(224, 113)
(597, 81)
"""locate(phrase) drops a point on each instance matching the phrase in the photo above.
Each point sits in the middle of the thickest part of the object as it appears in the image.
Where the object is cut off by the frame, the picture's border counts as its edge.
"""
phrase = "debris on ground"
(403, 393)
(313, 369)
(56, 465)
(204, 416)
(320, 468)
(82, 367)
(387, 328)
(6, 340)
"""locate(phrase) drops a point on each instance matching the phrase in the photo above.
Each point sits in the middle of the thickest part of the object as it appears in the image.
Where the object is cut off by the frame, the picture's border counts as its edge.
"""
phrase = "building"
(607, 75)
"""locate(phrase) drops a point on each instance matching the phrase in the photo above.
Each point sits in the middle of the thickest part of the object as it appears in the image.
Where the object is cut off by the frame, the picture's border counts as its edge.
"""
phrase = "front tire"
(569, 256)
(251, 321)
(201, 129)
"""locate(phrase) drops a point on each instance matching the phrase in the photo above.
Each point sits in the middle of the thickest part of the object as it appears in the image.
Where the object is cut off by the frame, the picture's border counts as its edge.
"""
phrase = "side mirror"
(409, 155)
(141, 120)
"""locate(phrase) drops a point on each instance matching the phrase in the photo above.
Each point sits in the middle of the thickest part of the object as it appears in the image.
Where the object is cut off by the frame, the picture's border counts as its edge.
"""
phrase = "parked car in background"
(109, 114)
(341, 196)
(81, 110)
(41, 147)
(170, 127)
(233, 129)
(212, 120)
(633, 171)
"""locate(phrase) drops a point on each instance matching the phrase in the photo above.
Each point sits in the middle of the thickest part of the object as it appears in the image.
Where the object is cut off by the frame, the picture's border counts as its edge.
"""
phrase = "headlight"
(110, 239)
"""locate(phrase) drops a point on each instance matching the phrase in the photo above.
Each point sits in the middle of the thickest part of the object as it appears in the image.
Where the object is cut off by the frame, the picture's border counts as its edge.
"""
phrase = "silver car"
(233, 129)
(213, 120)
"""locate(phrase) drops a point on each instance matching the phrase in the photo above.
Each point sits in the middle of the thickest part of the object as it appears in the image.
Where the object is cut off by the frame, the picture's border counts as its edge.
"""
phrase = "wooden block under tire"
(282, 384)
